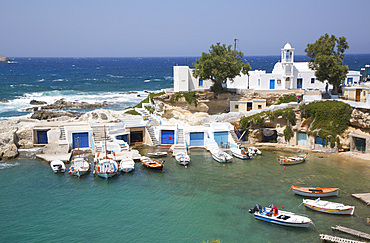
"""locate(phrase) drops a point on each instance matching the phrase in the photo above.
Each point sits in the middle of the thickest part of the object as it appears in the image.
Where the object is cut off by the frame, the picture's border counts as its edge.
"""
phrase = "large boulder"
(45, 114)
(10, 151)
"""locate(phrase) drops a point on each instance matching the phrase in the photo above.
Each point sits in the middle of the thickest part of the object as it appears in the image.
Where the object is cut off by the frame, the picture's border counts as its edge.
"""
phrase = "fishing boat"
(273, 215)
(152, 163)
(105, 164)
(254, 151)
(127, 164)
(157, 154)
(221, 156)
(58, 166)
(292, 160)
(79, 167)
(182, 158)
(241, 153)
(106, 167)
(315, 191)
(328, 207)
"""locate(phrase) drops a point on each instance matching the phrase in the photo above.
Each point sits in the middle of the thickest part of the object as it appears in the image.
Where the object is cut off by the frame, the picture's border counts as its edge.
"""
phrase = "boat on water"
(152, 163)
(106, 167)
(273, 215)
(58, 166)
(254, 151)
(292, 160)
(182, 158)
(221, 156)
(328, 207)
(315, 191)
(127, 165)
(241, 153)
(79, 167)
(157, 154)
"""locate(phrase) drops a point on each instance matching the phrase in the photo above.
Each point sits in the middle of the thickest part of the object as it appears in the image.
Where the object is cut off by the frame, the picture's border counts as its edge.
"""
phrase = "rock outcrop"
(62, 105)
(360, 118)
(45, 114)
(4, 59)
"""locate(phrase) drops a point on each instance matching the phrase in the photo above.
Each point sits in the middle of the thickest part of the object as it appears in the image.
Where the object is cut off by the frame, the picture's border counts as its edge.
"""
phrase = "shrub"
(287, 99)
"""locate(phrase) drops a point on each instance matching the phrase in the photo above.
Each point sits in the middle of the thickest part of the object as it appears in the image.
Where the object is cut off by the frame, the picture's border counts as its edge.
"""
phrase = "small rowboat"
(157, 154)
(221, 157)
(151, 163)
(127, 165)
(272, 215)
(182, 158)
(292, 160)
(328, 207)
(315, 191)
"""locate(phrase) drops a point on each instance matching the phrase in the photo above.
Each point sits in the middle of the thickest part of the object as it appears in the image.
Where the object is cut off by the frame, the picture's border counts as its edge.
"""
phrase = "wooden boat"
(315, 191)
(275, 216)
(152, 163)
(328, 207)
(106, 167)
(79, 167)
(221, 156)
(157, 154)
(182, 158)
(58, 166)
(292, 160)
(254, 151)
(126, 165)
(241, 153)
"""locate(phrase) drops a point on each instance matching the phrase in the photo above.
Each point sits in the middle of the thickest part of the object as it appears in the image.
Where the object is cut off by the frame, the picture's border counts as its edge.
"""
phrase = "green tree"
(220, 64)
(327, 59)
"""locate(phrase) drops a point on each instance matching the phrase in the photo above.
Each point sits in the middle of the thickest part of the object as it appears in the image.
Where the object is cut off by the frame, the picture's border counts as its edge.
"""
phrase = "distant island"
(4, 59)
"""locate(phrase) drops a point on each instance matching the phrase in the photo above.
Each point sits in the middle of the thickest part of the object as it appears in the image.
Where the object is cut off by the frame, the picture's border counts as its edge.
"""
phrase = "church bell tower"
(287, 59)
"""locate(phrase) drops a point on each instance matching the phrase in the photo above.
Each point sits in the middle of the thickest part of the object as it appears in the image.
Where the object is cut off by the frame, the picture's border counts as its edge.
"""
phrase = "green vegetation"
(133, 112)
(189, 97)
(146, 100)
(212, 241)
(288, 133)
(258, 119)
(287, 99)
(327, 119)
(220, 64)
(327, 55)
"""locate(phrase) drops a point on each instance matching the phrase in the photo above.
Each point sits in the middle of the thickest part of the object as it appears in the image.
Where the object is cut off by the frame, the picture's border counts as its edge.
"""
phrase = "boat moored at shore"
(328, 207)
(152, 163)
(182, 158)
(127, 165)
(241, 153)
(221, 156)
(79, 167)
(58, 166)
(292, 160)
(315, 191)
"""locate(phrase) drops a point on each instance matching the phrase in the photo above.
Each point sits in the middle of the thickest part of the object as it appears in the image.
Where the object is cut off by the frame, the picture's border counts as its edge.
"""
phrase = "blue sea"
(121, 82)
(199, 203)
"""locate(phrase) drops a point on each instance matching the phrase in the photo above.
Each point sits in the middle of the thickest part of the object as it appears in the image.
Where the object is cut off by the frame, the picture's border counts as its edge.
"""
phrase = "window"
(200, 82)
(312, 80)
(259, 107)
(236, 106)
(259, 82)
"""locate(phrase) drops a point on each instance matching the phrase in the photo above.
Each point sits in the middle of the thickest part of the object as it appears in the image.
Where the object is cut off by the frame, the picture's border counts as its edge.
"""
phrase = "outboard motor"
(255, 209)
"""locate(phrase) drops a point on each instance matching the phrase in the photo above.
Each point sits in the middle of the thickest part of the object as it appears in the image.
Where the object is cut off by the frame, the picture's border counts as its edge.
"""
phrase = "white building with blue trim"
(285, 75)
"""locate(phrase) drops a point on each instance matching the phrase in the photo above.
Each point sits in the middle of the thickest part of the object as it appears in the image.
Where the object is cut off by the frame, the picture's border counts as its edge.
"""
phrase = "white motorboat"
(127, 165)
(58, 166)
(157, 154)
(182, 158)
(241, 153)
(79, 167)
(221, 156)
(275, 216)
(328, 207)
(254, 151)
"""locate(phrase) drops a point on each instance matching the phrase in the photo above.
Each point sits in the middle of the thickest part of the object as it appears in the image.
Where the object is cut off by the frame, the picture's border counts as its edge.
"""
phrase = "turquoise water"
(202, 202)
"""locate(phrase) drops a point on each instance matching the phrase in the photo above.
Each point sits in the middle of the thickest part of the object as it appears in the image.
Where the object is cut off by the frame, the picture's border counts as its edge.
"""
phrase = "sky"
(170, 28)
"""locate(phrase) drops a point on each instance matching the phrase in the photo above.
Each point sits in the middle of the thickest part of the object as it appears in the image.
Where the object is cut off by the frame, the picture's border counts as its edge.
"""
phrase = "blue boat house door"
(222, 138)
(42, 137)
(272, 83)
(197, 139)
(80, 140)
(299, 83)
(167, 137)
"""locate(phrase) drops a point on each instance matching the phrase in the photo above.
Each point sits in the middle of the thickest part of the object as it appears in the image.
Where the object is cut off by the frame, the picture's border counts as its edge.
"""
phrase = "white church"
(286, 74)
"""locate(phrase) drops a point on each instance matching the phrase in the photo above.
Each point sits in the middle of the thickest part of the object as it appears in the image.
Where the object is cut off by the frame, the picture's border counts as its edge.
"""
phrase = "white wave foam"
(7, 165)
(146, 80)
(114, 76)
(58, 80)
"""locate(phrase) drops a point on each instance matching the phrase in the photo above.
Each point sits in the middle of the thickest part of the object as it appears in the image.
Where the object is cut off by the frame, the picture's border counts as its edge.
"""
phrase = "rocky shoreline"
(17, 133)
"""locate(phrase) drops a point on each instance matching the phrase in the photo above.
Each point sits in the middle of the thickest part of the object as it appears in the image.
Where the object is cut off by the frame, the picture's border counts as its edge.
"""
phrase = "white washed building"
(286, 74)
